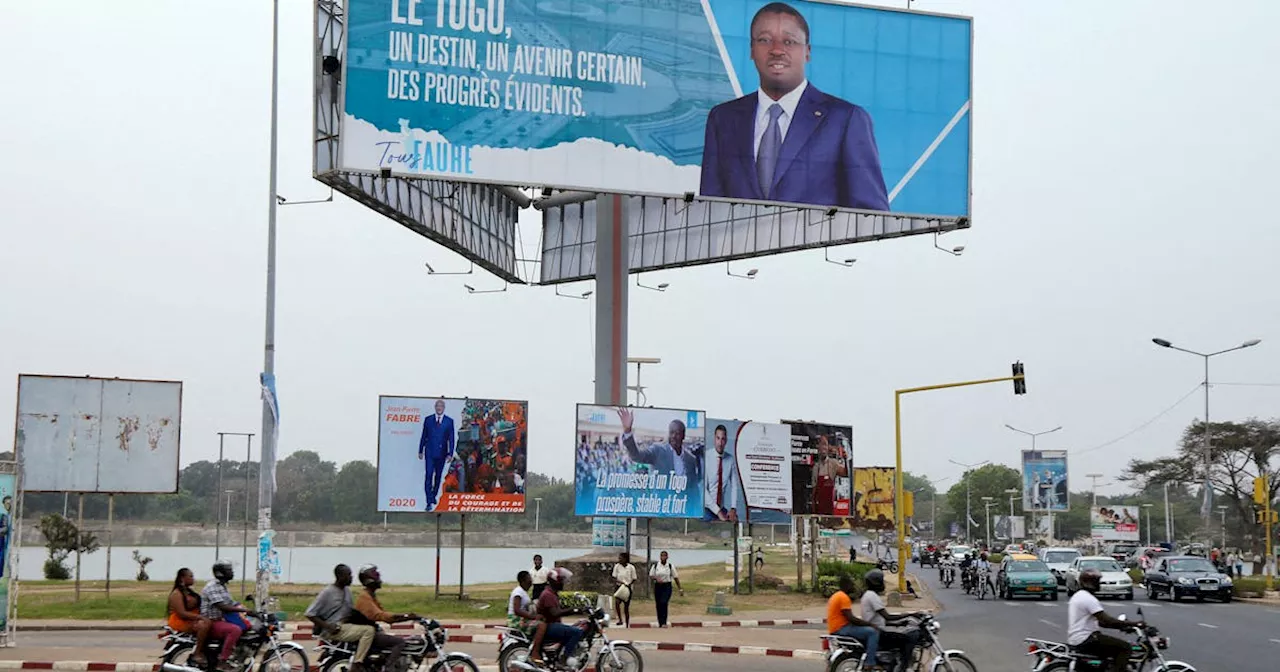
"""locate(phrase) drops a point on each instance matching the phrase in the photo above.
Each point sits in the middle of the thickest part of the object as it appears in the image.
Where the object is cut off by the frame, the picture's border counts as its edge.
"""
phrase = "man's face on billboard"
(780, 49)
(722, 438)
(675, 434)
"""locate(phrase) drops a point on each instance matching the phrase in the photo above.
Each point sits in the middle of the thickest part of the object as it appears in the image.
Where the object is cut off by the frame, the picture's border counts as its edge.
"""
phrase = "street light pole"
(968, 507)
(1094, 478)
(988, 503)
(1148, 509)
(537, 513)
(1222, 509)
(1206, 503)
(1168, 517)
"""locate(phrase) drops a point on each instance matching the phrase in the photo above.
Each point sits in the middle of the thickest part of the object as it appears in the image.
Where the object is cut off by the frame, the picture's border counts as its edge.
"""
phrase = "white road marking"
(1206, 625)
(1049, 623)
(1012, 604)
(1274, 611)
(1146, 604)
(1277, 641)
(1048, 605)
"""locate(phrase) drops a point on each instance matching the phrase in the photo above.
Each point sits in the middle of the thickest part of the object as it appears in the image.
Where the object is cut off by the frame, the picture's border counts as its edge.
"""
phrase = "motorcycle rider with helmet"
(873, 612)
(1086, 618)
(216, 604)
(368, 611)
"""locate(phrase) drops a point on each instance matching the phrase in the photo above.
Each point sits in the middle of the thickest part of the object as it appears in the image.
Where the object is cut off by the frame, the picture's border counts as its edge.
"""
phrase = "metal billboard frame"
(20, 449)
(475, 220)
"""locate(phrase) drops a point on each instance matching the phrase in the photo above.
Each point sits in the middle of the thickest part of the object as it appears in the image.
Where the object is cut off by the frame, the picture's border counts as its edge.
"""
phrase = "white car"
(1058, 559)
(1115, 581)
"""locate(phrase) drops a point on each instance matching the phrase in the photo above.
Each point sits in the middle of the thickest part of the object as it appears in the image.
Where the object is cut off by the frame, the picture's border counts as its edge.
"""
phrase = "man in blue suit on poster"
(790, 142)
(435, 448)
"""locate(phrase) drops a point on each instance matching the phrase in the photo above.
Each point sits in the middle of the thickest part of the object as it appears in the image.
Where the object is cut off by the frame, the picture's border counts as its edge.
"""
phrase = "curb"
(294, 628)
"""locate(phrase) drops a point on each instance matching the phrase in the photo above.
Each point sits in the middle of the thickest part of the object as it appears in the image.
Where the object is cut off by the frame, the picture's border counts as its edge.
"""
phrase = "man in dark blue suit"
(435, 448)
(790, 142)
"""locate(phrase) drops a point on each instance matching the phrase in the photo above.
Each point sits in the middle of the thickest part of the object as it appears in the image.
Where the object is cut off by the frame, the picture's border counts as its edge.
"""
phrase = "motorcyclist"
(1086, 618)
(966, 574)
(842, 623)
(982, 570)
(873, 612)
(216, 605)
(331, 611)
(368, 611)
(550, 610)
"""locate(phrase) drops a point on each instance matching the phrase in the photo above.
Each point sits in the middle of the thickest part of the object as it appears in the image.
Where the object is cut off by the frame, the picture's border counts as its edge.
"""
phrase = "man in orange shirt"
(842, 622)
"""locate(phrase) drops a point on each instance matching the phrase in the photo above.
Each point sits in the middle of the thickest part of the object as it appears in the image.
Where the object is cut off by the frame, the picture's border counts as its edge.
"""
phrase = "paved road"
(1210, 636)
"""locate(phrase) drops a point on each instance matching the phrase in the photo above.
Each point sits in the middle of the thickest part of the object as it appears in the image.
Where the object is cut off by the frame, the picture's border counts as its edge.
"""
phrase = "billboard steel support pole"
(437, 556)
(897, 436)
(267, 465)
(462, 556)
(111, 519)
(613, 260)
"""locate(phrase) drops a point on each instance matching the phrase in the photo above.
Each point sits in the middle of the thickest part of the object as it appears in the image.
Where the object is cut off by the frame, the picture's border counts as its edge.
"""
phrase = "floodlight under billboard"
(106, 435)
(452, 455)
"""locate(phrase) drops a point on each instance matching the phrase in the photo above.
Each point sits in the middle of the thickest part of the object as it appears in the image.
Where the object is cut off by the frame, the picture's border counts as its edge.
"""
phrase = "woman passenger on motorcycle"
(184, 613)
(520, 614)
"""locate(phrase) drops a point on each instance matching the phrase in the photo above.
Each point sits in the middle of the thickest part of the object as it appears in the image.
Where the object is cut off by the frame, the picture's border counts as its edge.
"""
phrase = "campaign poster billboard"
(452, 455)
(821, 474)
(799, 102)
(748, 472)
(639, 462)
(1044, 480)
(873, 497)
(1011, 528)
(1114, 523)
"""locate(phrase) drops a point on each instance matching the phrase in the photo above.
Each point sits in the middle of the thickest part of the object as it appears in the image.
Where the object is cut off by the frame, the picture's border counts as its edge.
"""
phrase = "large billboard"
(802, 102)
(1114, 523)
(748, 472)
(451, 455)
(108, 435)
(1011, 528)
(1044, 480)
(821, 455)
(639, 462)
(873, 489)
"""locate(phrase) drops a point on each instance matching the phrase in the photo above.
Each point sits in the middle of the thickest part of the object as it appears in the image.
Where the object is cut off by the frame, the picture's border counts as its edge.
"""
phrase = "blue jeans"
(869, 636)
(567, 635)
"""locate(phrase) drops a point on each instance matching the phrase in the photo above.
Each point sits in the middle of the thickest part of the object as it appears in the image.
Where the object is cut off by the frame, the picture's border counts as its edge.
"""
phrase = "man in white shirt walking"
(663, 575)
(539, 576)
(624, 576)
(1085, 620)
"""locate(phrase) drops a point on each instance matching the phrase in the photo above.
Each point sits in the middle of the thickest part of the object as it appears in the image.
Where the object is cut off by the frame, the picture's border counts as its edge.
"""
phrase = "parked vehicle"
(1115, 581)
(1182, 576)
(1025, 575)
(336, 656)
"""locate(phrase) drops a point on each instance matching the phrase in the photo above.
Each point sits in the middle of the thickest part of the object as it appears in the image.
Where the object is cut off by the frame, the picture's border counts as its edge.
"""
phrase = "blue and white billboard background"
(1044, 480)
(613, 95)
(639, 462)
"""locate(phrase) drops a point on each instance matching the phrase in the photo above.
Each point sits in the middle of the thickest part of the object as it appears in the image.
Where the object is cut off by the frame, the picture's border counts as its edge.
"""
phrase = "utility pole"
(968, 507)
(537, 513)
(988, 503)
(1094, 478)
(1147, 507)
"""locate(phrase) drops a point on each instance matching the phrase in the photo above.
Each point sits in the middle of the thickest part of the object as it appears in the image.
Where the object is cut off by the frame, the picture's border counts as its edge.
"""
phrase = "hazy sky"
(1124, 157)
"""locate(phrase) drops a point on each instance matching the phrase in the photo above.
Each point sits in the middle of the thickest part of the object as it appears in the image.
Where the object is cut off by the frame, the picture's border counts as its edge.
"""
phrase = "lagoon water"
(315, 564)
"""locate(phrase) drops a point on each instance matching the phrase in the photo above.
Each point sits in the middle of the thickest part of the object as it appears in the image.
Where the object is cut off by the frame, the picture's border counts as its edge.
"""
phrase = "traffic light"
(1267, 516)
(1019, 382)
(908, 504)
(1260, 490)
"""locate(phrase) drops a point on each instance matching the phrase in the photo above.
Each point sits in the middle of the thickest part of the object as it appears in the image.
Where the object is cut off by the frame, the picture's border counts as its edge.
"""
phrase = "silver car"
(1115, 581)
(1058, 559)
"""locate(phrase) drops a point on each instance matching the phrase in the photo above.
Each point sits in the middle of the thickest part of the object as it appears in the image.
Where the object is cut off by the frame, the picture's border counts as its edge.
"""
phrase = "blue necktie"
(770, 143)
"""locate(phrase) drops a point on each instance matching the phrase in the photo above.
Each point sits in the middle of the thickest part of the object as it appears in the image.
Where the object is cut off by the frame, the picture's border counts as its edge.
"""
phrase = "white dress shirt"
(788, 103)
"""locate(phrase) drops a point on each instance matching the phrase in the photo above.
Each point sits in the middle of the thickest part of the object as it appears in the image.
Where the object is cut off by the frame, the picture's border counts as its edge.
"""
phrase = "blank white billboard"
(98, 434)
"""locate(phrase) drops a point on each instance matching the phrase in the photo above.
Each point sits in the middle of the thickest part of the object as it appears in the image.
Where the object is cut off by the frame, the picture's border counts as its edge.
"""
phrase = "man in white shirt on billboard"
(720, 498)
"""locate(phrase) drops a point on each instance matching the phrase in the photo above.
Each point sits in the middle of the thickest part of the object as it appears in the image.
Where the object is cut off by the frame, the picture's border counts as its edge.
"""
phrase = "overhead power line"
(1146, 424)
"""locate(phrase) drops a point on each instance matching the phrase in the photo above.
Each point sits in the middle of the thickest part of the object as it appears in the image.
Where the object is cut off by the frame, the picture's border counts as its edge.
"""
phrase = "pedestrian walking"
(1239, 564)
(539, 576)
(663, 575)
(759, 558)
(624, 575)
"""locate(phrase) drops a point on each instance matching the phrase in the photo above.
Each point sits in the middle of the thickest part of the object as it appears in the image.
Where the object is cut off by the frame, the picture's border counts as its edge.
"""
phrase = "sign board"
(1114, 523)
(1044, 480)
(665, 99)
(873, 505)
(821, 456)
(748, 472)
(452, 455)
(1011, 528)
(608, 533)
(107, 435)
(639, 462)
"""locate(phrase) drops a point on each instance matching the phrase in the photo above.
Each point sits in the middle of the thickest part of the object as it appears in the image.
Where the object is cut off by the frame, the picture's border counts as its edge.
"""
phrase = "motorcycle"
(846, 654)
(890, 566)
(968, 579)
(983, 580)
(613, 655)
(1147, 654)
(928, 558)
(258, 640)
(336, 656)
(947, 573)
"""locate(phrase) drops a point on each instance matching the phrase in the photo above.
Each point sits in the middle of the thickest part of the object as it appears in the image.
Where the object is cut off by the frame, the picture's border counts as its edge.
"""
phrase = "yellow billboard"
(873, 497)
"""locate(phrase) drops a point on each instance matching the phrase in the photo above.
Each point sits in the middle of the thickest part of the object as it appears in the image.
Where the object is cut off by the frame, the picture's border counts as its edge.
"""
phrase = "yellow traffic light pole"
(1270, 561)
(898, 500)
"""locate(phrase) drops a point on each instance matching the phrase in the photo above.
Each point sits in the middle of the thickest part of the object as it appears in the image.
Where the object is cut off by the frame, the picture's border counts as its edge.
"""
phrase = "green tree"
(355, 493)
(304, 488)
(62, 538)
(990, 480)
